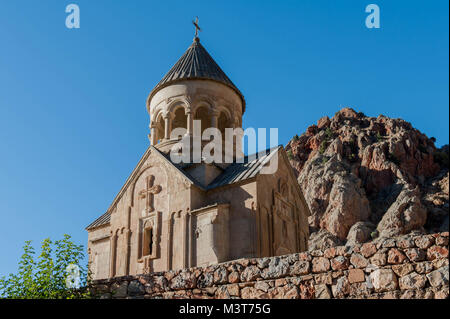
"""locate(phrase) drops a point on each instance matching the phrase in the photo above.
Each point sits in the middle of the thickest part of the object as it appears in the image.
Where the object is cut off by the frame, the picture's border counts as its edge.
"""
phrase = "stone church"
(178, 215)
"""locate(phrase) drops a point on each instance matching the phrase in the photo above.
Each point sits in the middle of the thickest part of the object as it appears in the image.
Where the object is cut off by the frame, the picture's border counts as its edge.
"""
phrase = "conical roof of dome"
(196, 64)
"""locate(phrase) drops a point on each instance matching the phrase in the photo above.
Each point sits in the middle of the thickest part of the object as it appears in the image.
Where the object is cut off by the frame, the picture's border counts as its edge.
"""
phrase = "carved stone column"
(167, 127)
(214, 116)
(170, 240)
(189, 123)
(153, 137)
(128, 242)
(112, 264)
(185, 240)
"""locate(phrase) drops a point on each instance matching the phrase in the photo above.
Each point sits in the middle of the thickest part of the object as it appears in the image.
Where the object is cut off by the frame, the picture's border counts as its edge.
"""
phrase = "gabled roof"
(105, 218)
(234, 173)
(238, 172)
(196, 64)
(102, 220)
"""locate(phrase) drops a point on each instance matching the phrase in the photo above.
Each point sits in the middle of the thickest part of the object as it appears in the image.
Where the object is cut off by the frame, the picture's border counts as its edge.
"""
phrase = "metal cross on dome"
(197, 28)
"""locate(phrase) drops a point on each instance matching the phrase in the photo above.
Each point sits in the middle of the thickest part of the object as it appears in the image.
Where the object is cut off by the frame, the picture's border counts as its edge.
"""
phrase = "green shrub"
(352, 157)
(323, 147)
(289, 154)
(48, 277)
(374, 234)
(379, 137)
(329, 133)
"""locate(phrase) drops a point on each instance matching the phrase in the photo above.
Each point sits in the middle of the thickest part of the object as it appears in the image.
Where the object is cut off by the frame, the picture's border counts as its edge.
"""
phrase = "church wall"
(282, 225)
(175, 223)
(210, 235)
(242, 200)
(199, 198)
(170, 208)
(153, 223)
(148, 222)
(99, 252)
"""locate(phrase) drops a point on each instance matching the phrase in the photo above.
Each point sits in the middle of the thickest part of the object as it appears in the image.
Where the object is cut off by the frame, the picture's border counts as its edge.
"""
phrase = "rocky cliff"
(368, 178)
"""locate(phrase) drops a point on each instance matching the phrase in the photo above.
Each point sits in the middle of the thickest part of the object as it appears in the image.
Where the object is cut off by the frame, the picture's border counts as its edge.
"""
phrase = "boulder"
(360, 232)
(322, 239)
(404, 215)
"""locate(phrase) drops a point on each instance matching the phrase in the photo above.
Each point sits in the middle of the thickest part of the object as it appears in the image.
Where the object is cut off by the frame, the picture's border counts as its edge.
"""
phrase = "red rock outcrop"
(379, 174)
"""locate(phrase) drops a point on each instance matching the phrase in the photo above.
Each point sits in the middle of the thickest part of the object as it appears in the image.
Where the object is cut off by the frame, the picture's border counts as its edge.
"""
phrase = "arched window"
(180, 119)
(223, 122)
(202, 114)
(160, 128)
(148, 244)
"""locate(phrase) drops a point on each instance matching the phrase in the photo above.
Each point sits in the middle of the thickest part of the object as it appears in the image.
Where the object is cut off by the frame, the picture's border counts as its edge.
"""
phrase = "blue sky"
(73, 122)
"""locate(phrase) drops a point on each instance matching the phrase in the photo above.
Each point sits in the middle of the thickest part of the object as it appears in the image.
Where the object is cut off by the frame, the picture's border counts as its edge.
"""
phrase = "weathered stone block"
(341, 288)
(339, 263)
(395, 256)
(330, 252)
(300, 268)
(262, 285)
(424, 242)
(435, 252)
(359, 290)
(322, 292)
(415, 254)
(405, 243)
(205, 280)
(278, 267)
(119, 290)
(233, 290)
(185, 280)
(442, 241)
(403, 269)
(356, 275)
(220, 275)
(389, 243)
(323, 278)
(359, 261)
(384, 280)
(135, 288)
(379, 259)
(320, 264)
(250, 273)
(424, 267)
(233, 277)
(368, 250)
(439, 277)
(412, 281)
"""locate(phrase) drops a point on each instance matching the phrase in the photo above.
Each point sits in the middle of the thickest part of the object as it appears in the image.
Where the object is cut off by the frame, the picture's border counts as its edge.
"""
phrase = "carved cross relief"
(149, 192)
(284, 226)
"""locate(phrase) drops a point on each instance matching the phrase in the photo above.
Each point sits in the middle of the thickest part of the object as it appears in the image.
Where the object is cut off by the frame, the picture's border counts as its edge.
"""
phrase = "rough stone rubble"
(403, 267)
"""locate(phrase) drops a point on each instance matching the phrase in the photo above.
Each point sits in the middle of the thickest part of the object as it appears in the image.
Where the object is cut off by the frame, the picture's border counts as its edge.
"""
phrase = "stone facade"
(162, 221)
(408, 267)
(170, 215)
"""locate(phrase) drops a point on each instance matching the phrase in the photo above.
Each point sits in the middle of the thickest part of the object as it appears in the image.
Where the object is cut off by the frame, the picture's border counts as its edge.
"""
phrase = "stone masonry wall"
(403, 267)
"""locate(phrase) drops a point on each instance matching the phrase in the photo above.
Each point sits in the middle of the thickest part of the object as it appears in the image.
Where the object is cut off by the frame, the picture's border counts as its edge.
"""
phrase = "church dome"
(196, 64)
